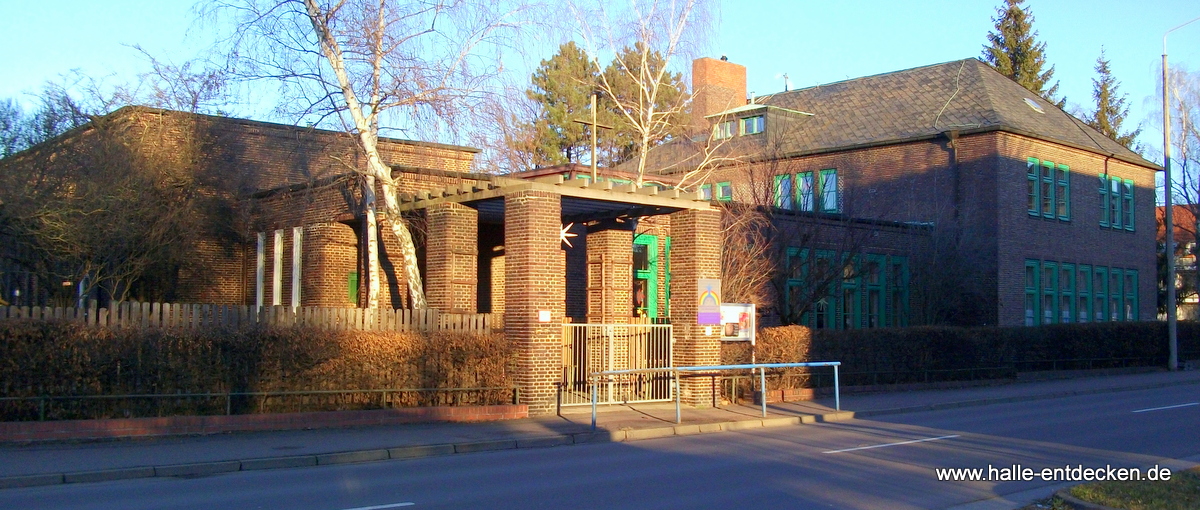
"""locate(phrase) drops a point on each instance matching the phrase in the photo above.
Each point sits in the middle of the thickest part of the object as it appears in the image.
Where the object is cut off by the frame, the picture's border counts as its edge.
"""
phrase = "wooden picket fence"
(195, 316)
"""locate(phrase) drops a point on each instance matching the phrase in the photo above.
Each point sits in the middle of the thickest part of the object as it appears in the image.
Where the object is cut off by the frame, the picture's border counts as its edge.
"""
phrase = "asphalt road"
(887, 462)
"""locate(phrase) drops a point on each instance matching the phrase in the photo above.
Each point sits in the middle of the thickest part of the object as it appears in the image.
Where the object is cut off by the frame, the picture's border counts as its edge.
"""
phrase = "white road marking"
(1189, 404)
(381, 507)
(892, 444)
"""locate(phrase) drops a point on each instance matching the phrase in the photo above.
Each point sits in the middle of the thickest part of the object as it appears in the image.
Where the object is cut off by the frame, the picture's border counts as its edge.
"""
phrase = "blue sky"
(812, 41)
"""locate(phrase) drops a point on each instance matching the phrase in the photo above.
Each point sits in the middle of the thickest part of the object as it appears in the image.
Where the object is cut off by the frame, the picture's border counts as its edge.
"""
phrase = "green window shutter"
(667, 278)
(1033, 278)
(1127, 195)
(1031, 176)
(1083, 311)
(1066, 293)
(352, 287)
(1049, 293)
(1131, 294)
(1048, 195)
(1103, 201)
(1064, 192)
(783, 192)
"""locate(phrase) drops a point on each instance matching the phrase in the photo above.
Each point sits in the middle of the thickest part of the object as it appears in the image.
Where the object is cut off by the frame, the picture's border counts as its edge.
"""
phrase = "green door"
(645, 276)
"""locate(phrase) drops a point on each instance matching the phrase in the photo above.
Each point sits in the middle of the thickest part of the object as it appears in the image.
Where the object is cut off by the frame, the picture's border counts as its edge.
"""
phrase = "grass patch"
(1181, 492)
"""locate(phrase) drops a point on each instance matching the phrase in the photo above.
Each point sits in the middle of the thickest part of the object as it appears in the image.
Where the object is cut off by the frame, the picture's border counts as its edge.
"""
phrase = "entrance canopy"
(582, 200)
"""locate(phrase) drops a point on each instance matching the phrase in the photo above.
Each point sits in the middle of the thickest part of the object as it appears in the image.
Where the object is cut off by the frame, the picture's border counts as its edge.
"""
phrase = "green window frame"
(805, 186)
(706, 191)
(1033, 279)
(1049, 313)
(1048, 194)
(1083, 291)
(1131, 295)
(830, 194)
(724, 191)
(1127, 201)
(1032, 167)
(783, 192)
(753, 125)
(1063, 182)
(724, 130)
(1114, 202)
(1100, 294)
(874, 280)
(1104, 201)
(1115, 295)
(850, 299)
(1066, 293)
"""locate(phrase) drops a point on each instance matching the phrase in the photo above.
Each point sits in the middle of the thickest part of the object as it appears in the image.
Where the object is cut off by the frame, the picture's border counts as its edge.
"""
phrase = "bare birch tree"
(367, 63)
(646, 42)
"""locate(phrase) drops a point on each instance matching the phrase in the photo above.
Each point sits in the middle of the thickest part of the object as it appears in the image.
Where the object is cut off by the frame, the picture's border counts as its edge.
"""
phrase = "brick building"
(285, 222)
(1030, 216)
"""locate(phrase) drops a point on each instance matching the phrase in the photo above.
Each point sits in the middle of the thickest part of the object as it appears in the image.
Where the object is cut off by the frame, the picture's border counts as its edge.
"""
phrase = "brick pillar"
(609, 276)
(695, 254)
(451, 258)
(533, 272)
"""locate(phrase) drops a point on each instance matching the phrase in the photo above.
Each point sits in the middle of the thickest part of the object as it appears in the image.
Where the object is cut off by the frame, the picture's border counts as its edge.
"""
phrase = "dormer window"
(753, 125)
(723, 130)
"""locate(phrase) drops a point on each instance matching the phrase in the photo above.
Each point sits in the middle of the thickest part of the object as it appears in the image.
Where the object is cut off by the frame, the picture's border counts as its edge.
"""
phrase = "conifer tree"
(1014, 51)
(561, 85)
(1111, 106)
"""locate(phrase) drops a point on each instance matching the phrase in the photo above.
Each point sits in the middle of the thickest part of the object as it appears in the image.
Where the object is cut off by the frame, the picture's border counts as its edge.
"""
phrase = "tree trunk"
(371, 228)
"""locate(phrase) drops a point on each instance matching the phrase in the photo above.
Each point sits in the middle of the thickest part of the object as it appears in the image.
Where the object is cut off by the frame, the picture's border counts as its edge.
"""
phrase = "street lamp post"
(1168, 220)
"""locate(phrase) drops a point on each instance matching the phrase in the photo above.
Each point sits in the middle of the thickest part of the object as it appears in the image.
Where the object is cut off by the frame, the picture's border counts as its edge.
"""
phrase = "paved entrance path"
(54, 463)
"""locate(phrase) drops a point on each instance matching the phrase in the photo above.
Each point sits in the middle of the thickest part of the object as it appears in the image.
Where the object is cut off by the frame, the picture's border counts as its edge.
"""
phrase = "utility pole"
(594, 126)
(1168, 220)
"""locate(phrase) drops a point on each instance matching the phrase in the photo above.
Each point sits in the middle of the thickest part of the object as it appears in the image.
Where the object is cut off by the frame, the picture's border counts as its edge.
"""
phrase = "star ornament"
(566, 234)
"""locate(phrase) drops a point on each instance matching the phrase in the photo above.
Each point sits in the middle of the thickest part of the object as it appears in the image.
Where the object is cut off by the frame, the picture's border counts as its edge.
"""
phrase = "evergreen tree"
(1111, 106)
(561, 86)
(1015, 52)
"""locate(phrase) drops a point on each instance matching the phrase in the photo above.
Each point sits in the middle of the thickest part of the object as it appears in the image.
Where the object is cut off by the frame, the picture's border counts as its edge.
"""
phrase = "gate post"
(695, 254)
(533, 269)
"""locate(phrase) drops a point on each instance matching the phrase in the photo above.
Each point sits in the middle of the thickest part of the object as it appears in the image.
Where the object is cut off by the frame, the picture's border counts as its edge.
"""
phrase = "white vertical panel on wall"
(277, 271)
(259, 268)
(297, 263)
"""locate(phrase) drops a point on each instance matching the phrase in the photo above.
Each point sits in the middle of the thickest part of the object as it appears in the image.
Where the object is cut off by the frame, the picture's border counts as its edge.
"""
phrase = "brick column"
(695, 254)
(451, 258)
(609, 276)
(534, 271)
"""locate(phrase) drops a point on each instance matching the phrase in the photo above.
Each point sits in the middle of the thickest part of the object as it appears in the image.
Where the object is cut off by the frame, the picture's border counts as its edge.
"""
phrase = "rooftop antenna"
(787, 82)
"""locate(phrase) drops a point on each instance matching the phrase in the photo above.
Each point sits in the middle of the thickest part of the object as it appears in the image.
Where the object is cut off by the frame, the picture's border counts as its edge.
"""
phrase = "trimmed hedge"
(924, 354)
(59, 358)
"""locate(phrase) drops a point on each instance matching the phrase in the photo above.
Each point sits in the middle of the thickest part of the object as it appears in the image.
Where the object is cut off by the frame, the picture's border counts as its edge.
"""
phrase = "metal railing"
(594, 379)
(229, 397)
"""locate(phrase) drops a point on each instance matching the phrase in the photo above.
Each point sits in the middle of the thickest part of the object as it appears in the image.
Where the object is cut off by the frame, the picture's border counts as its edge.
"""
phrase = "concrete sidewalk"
(54, 463)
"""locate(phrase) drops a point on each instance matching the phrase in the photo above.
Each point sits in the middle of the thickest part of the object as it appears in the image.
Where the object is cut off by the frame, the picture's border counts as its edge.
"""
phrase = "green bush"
(55, 358)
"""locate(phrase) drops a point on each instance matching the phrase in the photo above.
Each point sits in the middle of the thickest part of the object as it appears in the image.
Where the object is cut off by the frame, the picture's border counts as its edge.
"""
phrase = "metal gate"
(590, 348)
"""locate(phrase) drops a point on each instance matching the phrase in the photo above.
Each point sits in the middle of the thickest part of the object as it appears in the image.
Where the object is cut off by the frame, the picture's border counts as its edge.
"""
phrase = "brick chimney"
(717, 85)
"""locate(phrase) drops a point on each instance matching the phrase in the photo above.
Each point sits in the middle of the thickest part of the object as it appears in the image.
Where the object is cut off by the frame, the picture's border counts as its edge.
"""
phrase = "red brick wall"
(452, 258)
(716, 86)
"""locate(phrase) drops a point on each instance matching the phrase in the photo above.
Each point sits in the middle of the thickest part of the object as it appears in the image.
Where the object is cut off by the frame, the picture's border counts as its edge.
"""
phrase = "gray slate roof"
(964, 95)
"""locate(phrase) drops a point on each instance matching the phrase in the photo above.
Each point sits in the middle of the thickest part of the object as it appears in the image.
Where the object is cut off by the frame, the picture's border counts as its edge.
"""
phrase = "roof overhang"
(582, 200)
